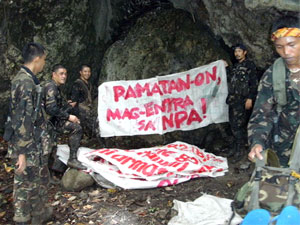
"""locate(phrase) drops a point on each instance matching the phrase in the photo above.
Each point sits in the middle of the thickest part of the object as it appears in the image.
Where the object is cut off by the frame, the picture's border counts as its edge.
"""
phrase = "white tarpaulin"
(206, 210)
(180, 101)
(149, 167)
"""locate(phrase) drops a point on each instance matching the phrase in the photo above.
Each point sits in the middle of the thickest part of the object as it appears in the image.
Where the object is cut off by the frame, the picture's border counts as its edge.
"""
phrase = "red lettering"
(118, 92)
(130, 93)
(164, 84)
(149, 125)
(113, 115)
(152, 170)
(172, 86)
(149, 109)
(167, 121)
(127, 113)
(141, 125)
(178, 102)
(193, 116)
(140, 90)
(199, 80)
(180, 117)
(156, 89)
(134, 113)
(182, 85)
(213, 76)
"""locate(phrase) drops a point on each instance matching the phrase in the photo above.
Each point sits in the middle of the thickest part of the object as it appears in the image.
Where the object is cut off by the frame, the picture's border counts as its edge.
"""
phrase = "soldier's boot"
(22, 220)
(232, 150)
(240, 152)
(73, 162)
(45, 216)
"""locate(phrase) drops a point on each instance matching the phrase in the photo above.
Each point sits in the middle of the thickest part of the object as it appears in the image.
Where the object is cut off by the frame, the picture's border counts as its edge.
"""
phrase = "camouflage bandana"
(285, 32)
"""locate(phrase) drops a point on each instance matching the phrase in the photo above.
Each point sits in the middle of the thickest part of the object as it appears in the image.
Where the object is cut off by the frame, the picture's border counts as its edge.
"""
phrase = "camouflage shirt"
(261, 124)
(82, 92)
(242, 80)
(23, 104)
(56, 106)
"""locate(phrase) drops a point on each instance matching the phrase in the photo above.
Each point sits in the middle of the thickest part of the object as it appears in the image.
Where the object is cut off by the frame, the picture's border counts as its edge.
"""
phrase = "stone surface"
(76, 180)
(142, 31)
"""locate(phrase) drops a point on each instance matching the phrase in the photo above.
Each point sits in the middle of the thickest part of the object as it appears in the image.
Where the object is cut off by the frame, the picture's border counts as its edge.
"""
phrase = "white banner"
(150, 167)
(180, 101)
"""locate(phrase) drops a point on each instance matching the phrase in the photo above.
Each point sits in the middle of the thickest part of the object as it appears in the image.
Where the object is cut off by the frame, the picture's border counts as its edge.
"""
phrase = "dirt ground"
(97, 205)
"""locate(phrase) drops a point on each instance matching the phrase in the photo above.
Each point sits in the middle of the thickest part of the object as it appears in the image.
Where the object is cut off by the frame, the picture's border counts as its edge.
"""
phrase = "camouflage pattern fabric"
(261, 126)
(273, 191)
(30, 188)
(242, 85)
(58, 111)
(82, 93)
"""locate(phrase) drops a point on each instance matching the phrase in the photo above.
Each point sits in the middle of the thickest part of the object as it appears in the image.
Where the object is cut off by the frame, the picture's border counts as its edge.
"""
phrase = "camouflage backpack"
(272, 187)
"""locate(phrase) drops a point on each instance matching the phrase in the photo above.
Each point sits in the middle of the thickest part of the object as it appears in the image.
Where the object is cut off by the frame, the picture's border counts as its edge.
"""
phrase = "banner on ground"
(149, 167)
(180, 101)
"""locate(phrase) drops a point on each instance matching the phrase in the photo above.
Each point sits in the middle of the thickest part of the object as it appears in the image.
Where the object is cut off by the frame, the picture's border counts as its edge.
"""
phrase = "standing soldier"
(276, 114)
(59, 113)
(28, 129)
(82, 96)
(242, 89)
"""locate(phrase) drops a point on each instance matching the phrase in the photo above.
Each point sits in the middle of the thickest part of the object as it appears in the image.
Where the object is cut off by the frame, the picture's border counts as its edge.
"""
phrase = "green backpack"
(271, 187)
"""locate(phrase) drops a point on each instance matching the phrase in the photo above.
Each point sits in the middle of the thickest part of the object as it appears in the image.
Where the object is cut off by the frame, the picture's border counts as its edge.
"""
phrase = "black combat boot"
(73, 162)
(232, 150)
(240, 152)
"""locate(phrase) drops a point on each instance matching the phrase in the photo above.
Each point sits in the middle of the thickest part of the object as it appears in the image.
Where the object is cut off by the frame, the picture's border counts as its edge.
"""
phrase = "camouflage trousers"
(88, 121)
(73, 130)
(30, 193)
(238, 119)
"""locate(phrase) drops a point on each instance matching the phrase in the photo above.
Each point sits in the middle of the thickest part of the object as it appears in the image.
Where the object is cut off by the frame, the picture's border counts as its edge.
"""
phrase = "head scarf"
(285, 32)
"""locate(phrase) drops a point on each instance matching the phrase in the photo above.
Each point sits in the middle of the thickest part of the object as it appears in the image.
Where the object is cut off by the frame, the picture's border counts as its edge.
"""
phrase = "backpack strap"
(254, 197)
(279, 87)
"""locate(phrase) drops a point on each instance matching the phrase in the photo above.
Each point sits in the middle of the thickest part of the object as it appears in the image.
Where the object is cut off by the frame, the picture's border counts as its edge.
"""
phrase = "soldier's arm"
(261, 122)
(51, 106)
(23, 126)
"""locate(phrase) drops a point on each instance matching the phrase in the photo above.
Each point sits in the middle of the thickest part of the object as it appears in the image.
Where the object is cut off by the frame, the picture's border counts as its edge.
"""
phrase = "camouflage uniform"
(242, 85)
(261, 125)
(83, 94)
(58, 111)
(29, 138)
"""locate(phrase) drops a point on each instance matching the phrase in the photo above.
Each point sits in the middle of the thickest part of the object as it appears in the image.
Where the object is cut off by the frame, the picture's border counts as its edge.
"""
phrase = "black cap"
(241, 46)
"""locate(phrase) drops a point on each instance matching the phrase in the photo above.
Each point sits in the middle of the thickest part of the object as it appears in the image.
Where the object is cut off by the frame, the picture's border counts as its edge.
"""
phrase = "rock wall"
(161, 42)
(80, 31)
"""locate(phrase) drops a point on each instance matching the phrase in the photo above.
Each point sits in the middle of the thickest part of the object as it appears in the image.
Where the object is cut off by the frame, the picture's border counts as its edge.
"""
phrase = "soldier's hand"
(225, 63)
(73, 104)
(21, 164)
(248, 104)
(74, 119)
(255, 152)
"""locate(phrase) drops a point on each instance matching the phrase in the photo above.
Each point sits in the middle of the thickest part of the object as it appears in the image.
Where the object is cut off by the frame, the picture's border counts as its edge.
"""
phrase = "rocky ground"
(97, 205)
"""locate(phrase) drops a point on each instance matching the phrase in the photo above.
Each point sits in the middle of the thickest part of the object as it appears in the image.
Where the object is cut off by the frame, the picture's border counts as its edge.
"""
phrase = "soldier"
(82, 96)
(59, 113)
(274, 121)
(29, 128)
(242, 89)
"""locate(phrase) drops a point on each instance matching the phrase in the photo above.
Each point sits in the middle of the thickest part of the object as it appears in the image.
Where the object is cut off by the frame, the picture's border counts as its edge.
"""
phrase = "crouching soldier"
(58, 111)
